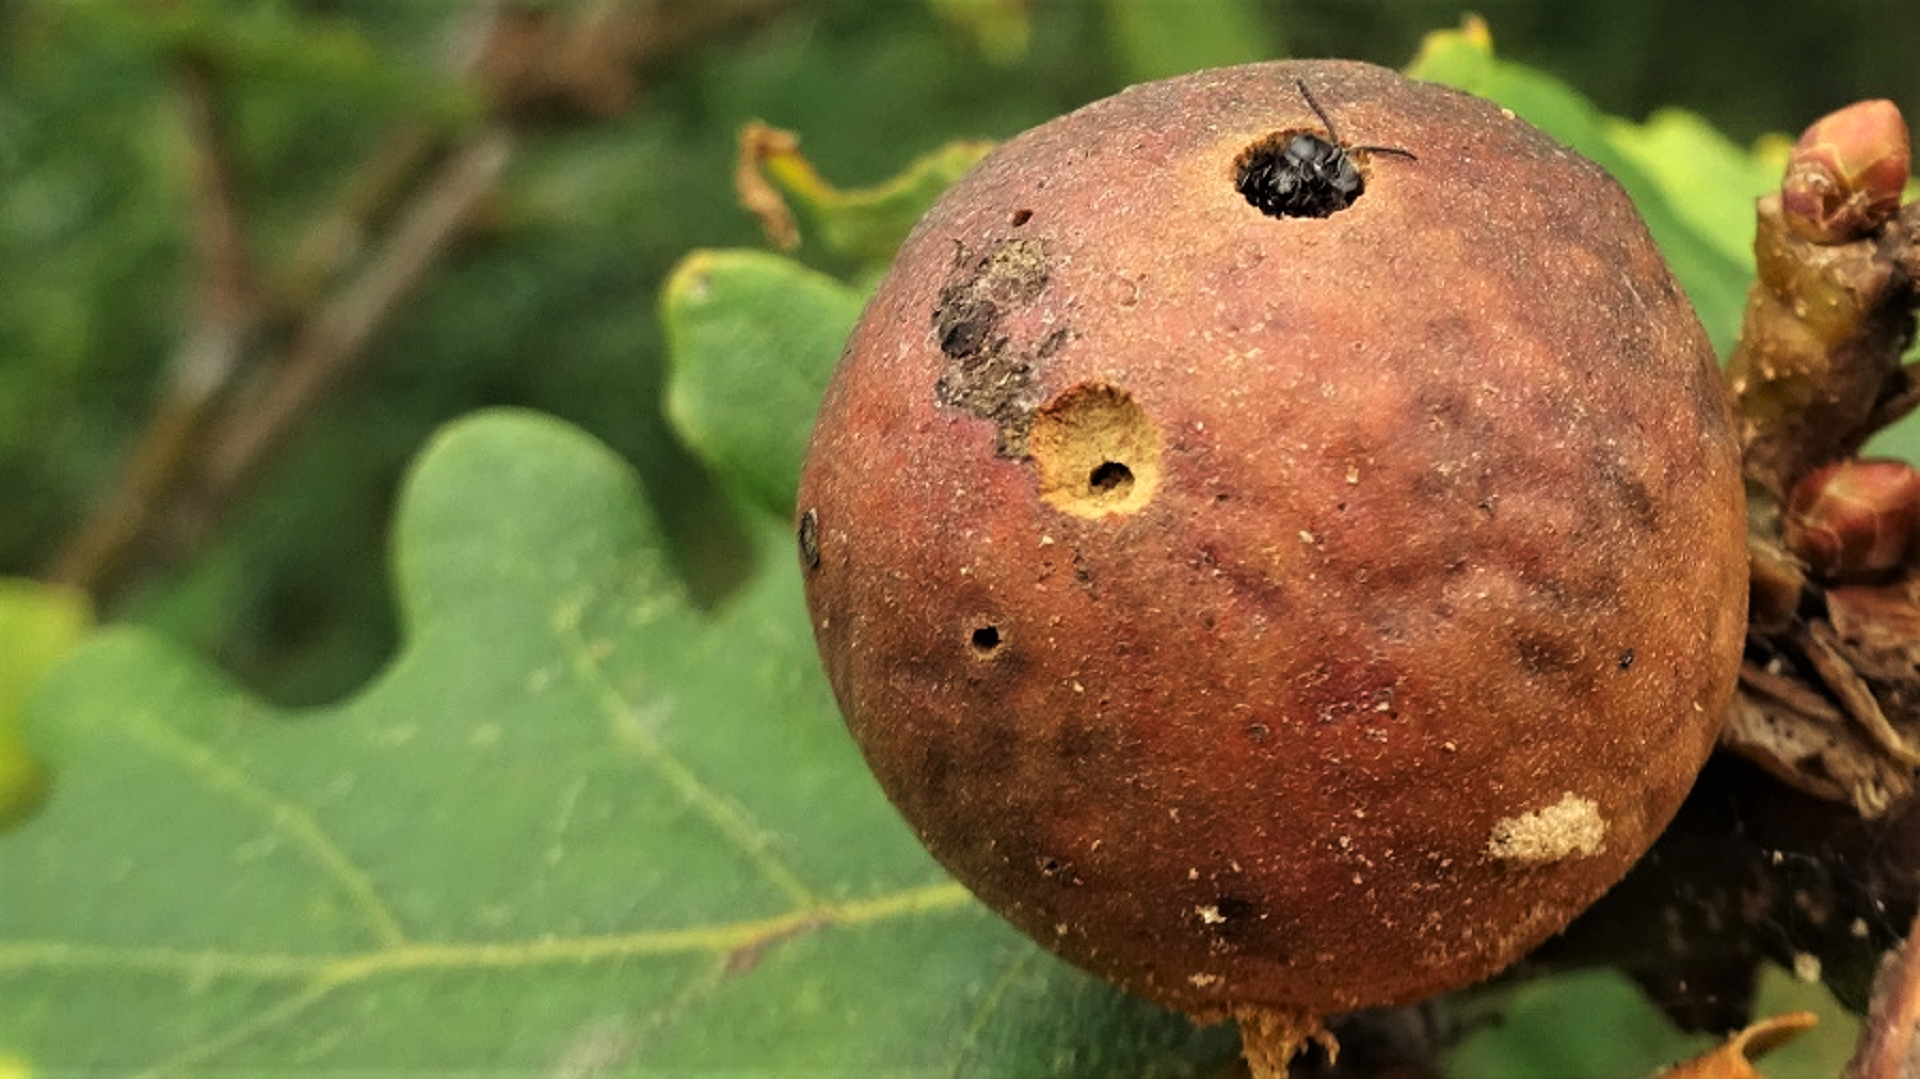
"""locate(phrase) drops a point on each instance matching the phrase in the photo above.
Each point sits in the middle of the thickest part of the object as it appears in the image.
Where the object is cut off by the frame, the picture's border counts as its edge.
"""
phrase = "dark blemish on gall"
(810, 539)
(963, 326)
(986, 374)
(1019, 218)
(1626, 658)
(1052, 343)
(1545, 653)
(1232, 920)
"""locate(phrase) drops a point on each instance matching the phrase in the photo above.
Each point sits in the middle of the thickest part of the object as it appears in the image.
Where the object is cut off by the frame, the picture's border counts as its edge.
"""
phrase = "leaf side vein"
(287, 818)
(722, 814)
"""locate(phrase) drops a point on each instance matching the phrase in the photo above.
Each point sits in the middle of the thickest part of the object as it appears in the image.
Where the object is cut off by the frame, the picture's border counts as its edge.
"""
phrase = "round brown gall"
(1280, 611)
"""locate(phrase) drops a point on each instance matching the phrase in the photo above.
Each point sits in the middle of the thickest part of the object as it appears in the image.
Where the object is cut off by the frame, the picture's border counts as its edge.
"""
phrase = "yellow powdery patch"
(1571, 826)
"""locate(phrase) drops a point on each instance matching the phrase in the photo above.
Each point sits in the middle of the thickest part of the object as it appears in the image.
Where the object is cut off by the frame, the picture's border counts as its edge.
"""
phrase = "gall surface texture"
(1297, 611)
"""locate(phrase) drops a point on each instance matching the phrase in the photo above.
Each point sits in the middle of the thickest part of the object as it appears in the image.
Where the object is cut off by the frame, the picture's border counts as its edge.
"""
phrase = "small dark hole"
(1236, 911)
(1297, 174)
(1020, 217)
(1111, 477)
(1626, 659)
(986, 639)
(964, 325)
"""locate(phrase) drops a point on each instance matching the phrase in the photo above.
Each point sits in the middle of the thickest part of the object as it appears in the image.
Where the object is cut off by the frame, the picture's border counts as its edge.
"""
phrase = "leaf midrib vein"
(322, 976)
(416, 956)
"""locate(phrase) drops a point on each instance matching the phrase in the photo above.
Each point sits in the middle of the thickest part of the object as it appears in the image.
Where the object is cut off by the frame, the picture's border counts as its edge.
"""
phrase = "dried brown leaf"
(1734, 1058)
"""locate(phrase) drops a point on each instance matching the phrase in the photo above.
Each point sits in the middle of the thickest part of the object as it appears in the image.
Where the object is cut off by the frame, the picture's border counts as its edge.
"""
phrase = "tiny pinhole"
(1019, 217)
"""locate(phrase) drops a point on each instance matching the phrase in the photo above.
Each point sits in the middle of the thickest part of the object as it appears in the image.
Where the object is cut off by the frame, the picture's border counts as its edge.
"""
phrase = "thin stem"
(205, 442)
(204, 364)
(333, 342)
(1890, 1041)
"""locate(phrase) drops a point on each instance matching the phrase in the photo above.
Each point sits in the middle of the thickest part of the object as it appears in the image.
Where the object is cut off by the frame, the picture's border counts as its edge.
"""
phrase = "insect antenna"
(1334, 136)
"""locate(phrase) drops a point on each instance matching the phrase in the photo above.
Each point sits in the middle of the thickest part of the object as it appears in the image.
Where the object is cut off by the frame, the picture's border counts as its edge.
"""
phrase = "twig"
(587, 64)
(202, 368)
(205, 442)
(1829, 698)
(1890, 1040)
(228, 293)
(1817, 370)
(334, 340)
(339, 236)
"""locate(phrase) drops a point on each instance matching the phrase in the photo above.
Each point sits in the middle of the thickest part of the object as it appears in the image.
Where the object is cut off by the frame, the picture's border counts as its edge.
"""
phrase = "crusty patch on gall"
(1572, 826)
(986, 373)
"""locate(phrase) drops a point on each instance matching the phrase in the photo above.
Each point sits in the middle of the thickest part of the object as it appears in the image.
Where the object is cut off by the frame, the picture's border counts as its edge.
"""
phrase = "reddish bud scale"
(1845, 175)
(1854, 520)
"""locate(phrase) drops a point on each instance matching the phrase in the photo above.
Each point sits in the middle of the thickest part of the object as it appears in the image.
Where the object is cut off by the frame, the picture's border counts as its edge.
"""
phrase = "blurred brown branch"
(588, 63)
(337, 332)
(226, 302)
(255, 360)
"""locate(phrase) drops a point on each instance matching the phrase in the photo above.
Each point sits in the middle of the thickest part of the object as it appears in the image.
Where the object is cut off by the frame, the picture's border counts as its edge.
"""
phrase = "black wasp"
(1304, 175)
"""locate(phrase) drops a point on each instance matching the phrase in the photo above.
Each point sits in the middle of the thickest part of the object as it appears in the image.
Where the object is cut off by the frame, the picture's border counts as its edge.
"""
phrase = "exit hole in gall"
(986, 640)
(1110, 477)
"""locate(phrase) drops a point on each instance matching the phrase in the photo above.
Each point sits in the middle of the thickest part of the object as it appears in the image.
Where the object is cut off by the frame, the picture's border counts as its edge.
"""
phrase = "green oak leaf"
(1710, 182)
(39, 623)
(579, 826)
(1714, 278)
(751, 340)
